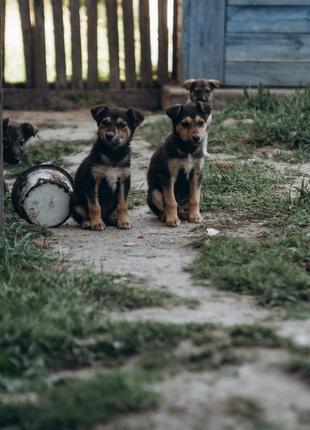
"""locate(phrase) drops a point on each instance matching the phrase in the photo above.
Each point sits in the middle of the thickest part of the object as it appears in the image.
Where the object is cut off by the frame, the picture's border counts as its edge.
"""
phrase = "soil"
(159, 255)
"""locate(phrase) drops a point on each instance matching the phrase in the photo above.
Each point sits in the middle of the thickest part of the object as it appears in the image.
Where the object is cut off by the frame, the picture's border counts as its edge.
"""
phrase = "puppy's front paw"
(172, 221)
(86, 224)
(124, 225)
(97, 225)
(195, 218)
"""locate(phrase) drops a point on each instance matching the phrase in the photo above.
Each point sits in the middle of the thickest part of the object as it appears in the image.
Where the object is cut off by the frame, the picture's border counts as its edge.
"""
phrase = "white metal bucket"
(41, 195)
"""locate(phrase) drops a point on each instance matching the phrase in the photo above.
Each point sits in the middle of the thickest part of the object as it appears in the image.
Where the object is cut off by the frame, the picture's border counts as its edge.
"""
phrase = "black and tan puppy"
(175, 171)
(102, 181)
(201, 90)
(15, 135)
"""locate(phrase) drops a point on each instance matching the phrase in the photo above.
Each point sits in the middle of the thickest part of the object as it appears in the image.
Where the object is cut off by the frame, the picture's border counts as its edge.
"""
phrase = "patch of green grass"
(47, 151)
(270, 269)
(81, 404)
(155, 133)
(253, 335)
(136, 198)
(300, 367)
(249, 190)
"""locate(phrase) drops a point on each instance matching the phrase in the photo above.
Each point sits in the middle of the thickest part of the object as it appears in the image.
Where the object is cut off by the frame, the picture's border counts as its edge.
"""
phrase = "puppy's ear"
(98, 112)
(28, 130)
(188, 83)
(205, 108)
(174, 112)
(214, 83)
(135, 117)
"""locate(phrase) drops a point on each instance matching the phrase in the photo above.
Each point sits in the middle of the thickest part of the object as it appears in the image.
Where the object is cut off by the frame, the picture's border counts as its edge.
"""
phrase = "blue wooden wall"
(247, 42)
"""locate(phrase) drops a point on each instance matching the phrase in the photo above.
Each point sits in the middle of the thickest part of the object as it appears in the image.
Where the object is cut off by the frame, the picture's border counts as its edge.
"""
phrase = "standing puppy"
(201, 90)
(102, 181)
(175, 171)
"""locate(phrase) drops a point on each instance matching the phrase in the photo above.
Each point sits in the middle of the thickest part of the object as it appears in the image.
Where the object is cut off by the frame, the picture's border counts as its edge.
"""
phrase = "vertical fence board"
(203, 29)
(176, 40)
(92, 44)
(76, 49)
(1, 104)
(146, 61)
(39, 52)
(162, 41)
(113, 42)
(24, 10)
(59, 44)
(130, 64)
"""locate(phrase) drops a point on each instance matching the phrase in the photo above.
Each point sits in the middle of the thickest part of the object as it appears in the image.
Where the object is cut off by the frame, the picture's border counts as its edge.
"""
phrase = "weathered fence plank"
(92, 44)
(267, 73)
(76, 50)
(113, 42)
(39, 51)
(263, 47)
(130, 63)
(1, 104)
(269, 2)
(203, 32)
(176, 40)
(162, 41)
(146, 62)
(61, 78)
(268, 19)
(27, 31)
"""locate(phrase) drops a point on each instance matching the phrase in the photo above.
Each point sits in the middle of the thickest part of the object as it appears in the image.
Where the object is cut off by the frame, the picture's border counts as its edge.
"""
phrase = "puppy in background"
(15, 136)
(175, 171)
(201, 90)
(102, 181)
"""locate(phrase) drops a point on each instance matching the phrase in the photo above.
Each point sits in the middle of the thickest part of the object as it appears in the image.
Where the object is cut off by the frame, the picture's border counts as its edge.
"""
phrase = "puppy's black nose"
(196, 138)
(109, 135)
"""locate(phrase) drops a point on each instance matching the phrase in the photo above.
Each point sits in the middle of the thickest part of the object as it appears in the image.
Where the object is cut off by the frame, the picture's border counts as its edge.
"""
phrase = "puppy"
(15, 135)
(201, 90)
(102, 181)
(175, 171)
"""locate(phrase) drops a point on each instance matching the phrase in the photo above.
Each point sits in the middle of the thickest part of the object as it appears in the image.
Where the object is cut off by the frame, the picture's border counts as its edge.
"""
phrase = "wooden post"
(162, 42)
(1, 104)
(114, 80)
(130, 56)
(92, 44)
(39, 51)
(61, 77)
(175, 40)
(24, 11)
(146, 61)
(76, 50)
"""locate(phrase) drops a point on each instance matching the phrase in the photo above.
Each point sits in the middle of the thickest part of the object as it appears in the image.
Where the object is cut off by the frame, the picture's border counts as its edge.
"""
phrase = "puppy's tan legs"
(122, 209)
(95, 220)
(171, 207)
(194, 198)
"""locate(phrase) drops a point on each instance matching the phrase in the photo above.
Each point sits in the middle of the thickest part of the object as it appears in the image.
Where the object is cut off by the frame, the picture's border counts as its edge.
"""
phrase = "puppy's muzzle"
(196, 138)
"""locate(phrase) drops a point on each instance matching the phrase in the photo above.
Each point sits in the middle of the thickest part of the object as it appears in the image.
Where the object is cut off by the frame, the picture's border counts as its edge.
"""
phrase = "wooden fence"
(34, 44)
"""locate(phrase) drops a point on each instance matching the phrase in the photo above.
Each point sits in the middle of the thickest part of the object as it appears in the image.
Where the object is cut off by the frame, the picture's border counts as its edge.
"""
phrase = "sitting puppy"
(102, 181)
(175, 171)
(15, 135)
(201, 90)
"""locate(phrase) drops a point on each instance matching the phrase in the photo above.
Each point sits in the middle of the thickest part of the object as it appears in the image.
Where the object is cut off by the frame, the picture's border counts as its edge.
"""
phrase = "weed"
(270, 268)
(155, 132)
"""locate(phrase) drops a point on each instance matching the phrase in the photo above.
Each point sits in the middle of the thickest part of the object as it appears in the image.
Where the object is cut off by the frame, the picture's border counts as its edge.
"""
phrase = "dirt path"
(158, 255)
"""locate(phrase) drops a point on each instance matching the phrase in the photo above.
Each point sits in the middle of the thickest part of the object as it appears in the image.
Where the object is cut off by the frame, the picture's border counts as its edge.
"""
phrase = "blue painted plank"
(270, 19)
(269, 2)
(203, 38)
(266, 47)
(272, 73)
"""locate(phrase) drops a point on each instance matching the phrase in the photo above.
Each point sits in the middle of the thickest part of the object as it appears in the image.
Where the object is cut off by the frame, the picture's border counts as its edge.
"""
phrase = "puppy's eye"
(106, 123)
(185, 124)
(200, 123)
(121, 125)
